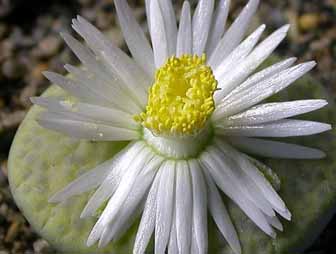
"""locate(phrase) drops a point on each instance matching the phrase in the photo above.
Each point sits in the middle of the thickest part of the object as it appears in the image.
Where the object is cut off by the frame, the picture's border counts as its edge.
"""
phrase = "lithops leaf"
(42, 162)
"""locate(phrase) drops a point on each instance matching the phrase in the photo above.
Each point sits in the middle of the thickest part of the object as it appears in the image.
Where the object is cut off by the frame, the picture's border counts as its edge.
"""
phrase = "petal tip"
(285, 28)
(83, 215)
(311, 64)
(322, 155)
(54, 199)
(90, 241)
(34, 99)
(273, 235)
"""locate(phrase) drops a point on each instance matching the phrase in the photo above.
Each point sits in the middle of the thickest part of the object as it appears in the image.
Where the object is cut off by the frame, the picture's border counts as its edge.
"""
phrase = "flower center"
(178, 148)
(181, 99)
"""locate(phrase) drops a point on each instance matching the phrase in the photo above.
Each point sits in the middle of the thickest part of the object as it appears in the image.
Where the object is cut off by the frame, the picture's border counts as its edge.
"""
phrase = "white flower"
(186, 102)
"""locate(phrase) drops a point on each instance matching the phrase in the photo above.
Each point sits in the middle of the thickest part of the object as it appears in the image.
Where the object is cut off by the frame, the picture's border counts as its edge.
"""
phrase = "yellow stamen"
(181, 98)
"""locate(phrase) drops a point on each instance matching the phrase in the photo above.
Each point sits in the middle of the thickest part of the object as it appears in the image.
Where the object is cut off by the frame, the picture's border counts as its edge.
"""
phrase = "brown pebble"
(12, 232)
(3, 30)
(38, 69)
(309, 21)
(6, 49)
(41, 246)
(104, 20)
(4, 167)
(4, 210)
(17, 247)
(13, 69)
(2, 103)
(49, 46)
(3, 181)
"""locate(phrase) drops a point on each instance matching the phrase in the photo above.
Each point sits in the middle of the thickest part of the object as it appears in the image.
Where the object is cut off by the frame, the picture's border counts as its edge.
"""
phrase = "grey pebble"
(41, 246)
(12, 69)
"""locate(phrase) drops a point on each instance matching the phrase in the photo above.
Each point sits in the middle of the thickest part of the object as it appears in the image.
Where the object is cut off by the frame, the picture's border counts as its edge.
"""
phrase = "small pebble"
(309, 21)
(41, 247)
(36, 72)
(12, 232)
(29, 252)
(49, 46)
(3, 180)
(104, 20)
(4, 168)
(85, 2)
(6, 49)
(4, 210)
(13, 69)
(5, 7)
(3, 30)
(17, 247)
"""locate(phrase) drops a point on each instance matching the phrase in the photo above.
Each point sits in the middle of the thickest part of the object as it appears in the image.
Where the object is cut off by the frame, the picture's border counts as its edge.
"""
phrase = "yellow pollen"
(181, 99)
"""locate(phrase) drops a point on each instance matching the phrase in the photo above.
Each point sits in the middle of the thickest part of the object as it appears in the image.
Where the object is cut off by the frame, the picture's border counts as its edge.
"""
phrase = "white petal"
(262, 90)
(184, 206)
(158, 34)
(119, 197)
(281, 128)
(172, 245)
(134, 78)
(218, 25)
(165, 206)
(184, 39)
(194, 248)
(61, 116)
(147, 224)
(260, 76)
(88, 112)
(85, 130)
(201, 23)
(270, 112)
(125, 186)
(107, 189)
(135, 37)
(136, 83)
(87, 181)
(111, 94)
(148, 15)
(275, 222)
(101, 75)
(220, 215)
(112, 180)
(275, 149)
(257, 56)
(96, 68)
(74, 89)
(169, 19)
(233, 191)
(264, 169)
(110, 91)
(88, 58)
(200, 225)
(129, 215)
(234, 35)
(84, 54)
(257, 177)
(122, 222)
(237, 55)
(232, 171)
